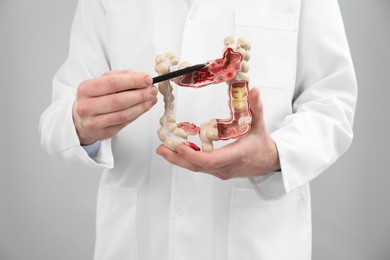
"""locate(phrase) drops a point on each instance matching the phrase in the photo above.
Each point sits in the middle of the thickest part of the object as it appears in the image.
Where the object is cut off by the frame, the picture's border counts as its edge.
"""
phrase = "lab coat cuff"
(274, 184)
(104, 156)
(79, 156)
(70, 150)
(289, 161)
(101, 157)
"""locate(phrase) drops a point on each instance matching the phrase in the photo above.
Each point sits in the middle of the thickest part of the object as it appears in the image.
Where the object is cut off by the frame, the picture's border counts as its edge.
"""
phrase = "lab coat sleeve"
(87, 58)
(319, 130)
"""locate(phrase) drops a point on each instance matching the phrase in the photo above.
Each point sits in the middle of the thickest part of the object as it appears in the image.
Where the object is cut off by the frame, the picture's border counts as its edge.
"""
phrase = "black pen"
(177, 73)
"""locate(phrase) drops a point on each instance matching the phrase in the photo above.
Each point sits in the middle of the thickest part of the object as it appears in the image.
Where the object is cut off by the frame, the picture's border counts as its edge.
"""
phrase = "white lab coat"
(148, 209)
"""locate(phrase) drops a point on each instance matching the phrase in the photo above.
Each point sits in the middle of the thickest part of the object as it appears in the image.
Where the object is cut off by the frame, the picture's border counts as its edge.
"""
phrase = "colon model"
(232, 69)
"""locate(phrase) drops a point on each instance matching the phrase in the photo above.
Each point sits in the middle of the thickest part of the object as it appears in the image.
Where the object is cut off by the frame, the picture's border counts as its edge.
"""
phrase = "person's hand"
(254, 154)
(107, 104)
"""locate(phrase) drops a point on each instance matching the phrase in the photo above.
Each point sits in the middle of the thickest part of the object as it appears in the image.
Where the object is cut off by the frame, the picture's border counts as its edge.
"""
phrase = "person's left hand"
(254, 154)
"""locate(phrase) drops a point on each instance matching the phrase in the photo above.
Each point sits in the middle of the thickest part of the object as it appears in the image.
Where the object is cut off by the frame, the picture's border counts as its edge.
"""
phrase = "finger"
(114, 83)
(116, 102)
(209, 161)
(119, 117)
(256, 108)
(176, 159)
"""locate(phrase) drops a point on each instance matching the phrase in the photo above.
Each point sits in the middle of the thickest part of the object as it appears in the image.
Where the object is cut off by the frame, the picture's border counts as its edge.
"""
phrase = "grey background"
(47, 207)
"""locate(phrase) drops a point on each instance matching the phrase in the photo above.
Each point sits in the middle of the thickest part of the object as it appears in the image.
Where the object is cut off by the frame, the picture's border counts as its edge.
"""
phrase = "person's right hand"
(107, 104)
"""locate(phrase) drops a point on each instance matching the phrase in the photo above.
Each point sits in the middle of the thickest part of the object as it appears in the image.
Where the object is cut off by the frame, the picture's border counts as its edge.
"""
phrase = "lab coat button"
(179, 213)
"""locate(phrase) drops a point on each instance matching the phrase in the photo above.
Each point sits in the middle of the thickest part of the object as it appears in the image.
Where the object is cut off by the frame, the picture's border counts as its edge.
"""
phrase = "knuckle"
(106, 120)
(137, 80)
(222, 176)
(210, 164)
(83, 87)
(131, 81)
(195, 168)
(95, 84)
(82, 110)
(117, 102)
(144, 95)
(113, 84)
(123, 117)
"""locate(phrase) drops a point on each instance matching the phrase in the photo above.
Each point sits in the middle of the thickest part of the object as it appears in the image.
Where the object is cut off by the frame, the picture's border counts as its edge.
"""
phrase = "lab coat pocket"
(273, 38)
(116, 236)
(268, 229)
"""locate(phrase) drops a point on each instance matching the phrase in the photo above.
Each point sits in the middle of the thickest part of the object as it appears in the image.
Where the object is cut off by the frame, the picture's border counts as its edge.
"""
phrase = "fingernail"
(148, 80)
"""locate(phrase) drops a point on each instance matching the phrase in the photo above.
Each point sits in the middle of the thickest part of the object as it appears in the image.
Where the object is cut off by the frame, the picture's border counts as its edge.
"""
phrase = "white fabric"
(149, 209)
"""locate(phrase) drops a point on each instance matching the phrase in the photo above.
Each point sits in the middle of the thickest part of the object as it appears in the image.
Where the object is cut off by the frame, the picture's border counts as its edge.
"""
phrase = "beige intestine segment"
(169, 132)
(239, 101)
(208, 133)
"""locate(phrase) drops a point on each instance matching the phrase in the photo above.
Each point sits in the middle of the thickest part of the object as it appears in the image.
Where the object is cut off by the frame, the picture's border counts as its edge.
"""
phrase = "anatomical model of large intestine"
(232, 68)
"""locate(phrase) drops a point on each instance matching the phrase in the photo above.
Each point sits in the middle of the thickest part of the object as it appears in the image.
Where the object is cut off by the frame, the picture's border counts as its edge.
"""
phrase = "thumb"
(256, 107)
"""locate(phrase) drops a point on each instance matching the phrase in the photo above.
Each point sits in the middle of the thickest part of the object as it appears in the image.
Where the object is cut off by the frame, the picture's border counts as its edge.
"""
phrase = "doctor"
(250, 198)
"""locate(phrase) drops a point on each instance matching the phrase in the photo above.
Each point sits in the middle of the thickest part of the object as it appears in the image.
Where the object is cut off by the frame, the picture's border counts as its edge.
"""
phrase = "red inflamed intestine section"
(215, 71)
